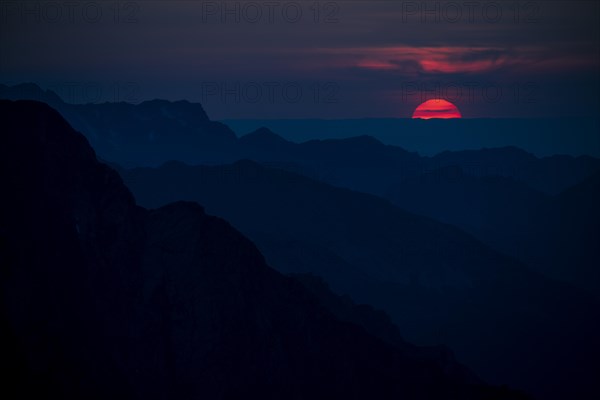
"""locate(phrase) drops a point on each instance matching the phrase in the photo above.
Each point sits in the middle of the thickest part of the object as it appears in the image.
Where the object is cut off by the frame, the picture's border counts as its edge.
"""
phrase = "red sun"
(436, 108)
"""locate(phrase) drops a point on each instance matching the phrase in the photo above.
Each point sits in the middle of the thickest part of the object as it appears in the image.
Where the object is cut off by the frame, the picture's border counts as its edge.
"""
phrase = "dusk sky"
(307, 59)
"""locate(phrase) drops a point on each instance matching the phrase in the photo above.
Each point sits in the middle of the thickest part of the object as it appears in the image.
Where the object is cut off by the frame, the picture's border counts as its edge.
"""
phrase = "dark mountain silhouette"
(264, 137)
(378, 323)
(30, 91)
(564, 235)
(556, 235)
(360, 163)
(438, 284)
(541, 136)
(497, 210)
(158, 131)
(547, 174)
(102, 299)
(476, 203)
(365, 164)
(140, 134)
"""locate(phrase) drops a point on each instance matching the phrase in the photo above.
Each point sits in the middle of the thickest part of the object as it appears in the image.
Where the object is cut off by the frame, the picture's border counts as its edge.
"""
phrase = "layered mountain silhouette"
(556, 235)
(439, 284)
(104, 299)
(363, 163)
(564, 234)
(543, 136)
(550, 175)
(139, 134)
(154, 132)
(379, 324)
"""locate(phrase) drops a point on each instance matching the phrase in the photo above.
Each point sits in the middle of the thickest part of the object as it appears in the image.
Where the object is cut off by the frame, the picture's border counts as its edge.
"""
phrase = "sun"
(436, 108)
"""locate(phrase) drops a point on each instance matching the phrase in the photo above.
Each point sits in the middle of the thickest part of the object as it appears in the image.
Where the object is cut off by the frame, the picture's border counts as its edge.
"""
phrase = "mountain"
(478, 204)
(565, 233)
(550, 175)
(150, 132)
(359, 163)
(363, 163)
(555, 235)
(101, 298)
(378, 323)
(438, 284)
(495, 209)
(30, 91)
(154, 132)
(540, 136)
(263, 137)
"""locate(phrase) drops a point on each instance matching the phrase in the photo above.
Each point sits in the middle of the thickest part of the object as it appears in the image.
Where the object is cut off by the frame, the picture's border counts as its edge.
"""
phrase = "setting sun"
(436, 108)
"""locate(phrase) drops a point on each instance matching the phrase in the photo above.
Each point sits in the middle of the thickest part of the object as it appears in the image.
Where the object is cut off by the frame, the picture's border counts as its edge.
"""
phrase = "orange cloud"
(434, 59)
(413, 60)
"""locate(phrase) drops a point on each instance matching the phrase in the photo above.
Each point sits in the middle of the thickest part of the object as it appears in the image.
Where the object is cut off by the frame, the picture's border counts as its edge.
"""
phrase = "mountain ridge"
(120, 135)
(426, 275)
(102, 298)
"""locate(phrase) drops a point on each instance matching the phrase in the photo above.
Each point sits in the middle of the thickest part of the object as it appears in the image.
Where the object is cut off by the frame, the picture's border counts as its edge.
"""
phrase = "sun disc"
(436, 108)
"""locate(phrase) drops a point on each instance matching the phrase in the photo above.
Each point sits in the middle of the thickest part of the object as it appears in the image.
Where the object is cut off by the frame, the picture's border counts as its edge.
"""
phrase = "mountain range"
(157, 131)
(102, 298)
(557, 235)
(540, 136)
(438, 283)
(491, 251)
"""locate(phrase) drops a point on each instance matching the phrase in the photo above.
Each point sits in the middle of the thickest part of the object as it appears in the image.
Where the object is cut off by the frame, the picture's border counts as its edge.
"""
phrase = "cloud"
(411, 60)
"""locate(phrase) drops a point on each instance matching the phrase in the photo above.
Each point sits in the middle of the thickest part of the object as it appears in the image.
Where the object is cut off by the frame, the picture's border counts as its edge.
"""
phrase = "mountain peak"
(29, 91)
(263, 135)
(28, 86)
(175, 109)
(27, 111)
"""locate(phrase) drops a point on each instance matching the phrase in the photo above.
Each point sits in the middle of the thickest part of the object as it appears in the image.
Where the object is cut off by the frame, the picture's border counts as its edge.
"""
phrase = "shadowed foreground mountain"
(439, 284)
(103, 299)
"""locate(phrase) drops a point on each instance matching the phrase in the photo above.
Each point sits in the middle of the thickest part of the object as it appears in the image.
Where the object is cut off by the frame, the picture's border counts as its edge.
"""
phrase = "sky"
(312, 59)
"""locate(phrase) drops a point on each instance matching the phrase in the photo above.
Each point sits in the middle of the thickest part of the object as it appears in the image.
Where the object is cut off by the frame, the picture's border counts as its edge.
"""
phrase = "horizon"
(65, 99)
(539, 136)
(422, 139)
